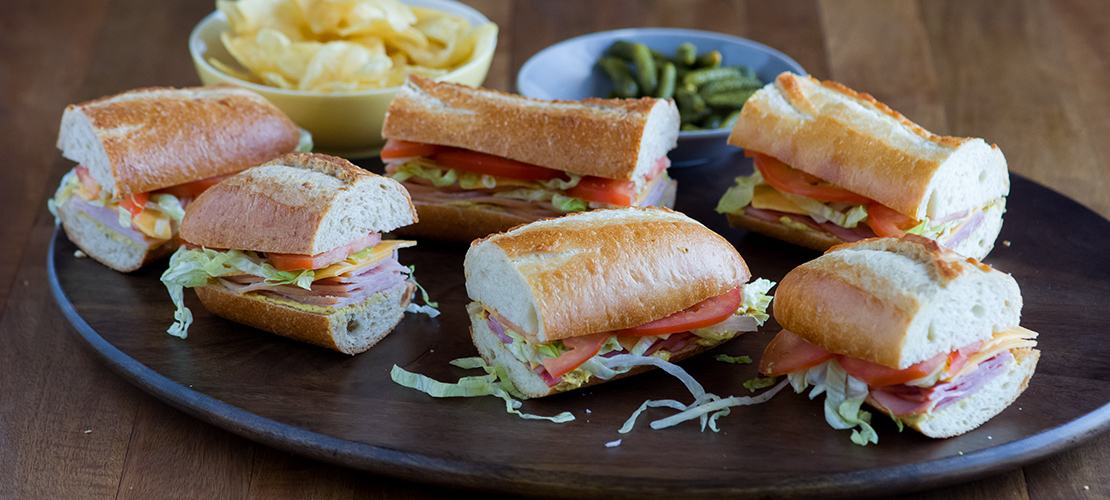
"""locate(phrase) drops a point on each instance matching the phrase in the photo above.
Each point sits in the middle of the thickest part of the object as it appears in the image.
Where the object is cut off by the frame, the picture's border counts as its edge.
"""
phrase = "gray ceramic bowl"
(568, 70)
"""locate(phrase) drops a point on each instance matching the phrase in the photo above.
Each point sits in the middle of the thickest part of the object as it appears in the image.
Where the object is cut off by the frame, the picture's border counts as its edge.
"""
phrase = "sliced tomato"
(482, 163)
(958, 359)
(194, 188)
(705, 313)
(879, 375)
(297, 262)
(581, 349)
(87, 180)
(791, 180)
(602, 190)
(396, 148)
(788, 353)
(887, 222)
(135, 203)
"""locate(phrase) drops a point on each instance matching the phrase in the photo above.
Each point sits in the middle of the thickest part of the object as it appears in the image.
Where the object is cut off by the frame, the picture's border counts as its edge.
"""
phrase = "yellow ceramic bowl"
(347, 124)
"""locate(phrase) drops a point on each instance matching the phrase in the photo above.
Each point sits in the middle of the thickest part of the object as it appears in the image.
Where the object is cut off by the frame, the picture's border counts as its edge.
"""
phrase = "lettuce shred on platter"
(493, 383)
(844, 395)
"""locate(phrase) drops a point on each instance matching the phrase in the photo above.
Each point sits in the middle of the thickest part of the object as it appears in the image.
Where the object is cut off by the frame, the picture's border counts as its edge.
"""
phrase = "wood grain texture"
(1029, 76)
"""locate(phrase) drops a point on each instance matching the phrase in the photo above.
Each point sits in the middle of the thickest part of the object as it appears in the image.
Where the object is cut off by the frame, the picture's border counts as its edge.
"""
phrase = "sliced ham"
(109, 217)
(350, 288)
(910, 400)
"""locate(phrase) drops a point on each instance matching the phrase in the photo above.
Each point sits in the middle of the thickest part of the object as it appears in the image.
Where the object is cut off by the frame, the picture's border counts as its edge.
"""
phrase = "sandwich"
(555, 303)
(294, 247)
(834, 166)
(144, 154)
(478, 161)
(920, 333)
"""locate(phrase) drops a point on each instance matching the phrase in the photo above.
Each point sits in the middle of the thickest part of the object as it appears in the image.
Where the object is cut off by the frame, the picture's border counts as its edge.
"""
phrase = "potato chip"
(345, 45)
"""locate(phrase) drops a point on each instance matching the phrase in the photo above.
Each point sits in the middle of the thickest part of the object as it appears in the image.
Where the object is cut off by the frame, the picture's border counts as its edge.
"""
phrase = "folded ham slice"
(335, 292)
(900, 400)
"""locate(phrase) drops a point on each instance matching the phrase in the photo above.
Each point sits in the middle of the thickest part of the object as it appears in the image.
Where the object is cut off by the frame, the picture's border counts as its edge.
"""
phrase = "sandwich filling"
(923, 388)
(149, 219)
(443, 175)
(779, 194)
(571, 362)
(320, 284)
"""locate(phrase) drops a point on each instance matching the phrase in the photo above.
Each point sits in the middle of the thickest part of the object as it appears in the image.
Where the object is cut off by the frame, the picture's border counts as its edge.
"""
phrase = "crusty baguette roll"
(455, 223)
(152, 138)
(860, 144)
(896, 302)
(525, 379)
(300, 203)
(982, 405)
(350, 330)
(600, 271)
(613, 138)
(107, 245)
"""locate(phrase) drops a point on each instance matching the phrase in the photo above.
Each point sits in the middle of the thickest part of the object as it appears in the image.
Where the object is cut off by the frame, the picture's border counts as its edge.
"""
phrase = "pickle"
(730, 119)
(733, 99)
(622, 49)
(667, 77)
(624, 84)
(645, 68)
(706, 75)
(729, 84)
(710, 59)
(686, 54)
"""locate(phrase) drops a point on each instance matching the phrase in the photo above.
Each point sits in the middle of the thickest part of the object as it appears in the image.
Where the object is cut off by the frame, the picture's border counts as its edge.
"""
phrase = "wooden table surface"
(1030, 76)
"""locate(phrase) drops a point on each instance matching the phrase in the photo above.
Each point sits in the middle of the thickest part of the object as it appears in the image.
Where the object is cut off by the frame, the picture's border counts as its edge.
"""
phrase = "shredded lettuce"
(739, 360)
(429, 307)
(66, 188)
(439, 177)
(740, 195)
(304, 144)
(169, 205)
(759, 383)
(822, 211)
(193, 268)
(486, 385)
(844, 396)
(568, 203)
(756, 300)
(470, 180)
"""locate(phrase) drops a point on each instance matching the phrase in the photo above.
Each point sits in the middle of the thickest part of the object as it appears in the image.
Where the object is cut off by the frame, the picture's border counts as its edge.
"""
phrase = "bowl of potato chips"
(333, 66)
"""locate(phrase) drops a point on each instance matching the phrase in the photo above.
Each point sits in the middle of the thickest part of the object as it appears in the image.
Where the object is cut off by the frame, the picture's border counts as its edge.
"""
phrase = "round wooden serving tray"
(346, 410)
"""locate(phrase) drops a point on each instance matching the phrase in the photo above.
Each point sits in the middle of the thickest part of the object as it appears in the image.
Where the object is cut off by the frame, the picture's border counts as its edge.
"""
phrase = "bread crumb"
(1086, 487)
(1005, 243)
(79, 254)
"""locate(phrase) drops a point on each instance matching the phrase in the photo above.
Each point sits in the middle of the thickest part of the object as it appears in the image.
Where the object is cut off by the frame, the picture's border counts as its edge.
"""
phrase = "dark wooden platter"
(346, 410)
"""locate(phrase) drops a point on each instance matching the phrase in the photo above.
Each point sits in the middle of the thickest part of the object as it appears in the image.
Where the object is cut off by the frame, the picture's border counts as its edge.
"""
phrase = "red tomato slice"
(297, 262)
(887, 222)
(482, 163)
(878, 375)
(705, 313)
(194, 188)
(87, 180)
(135, 203)
(396, 148)
(788, 353)
(581, 349)
(602, 190)
(790, 180)
(958, 359)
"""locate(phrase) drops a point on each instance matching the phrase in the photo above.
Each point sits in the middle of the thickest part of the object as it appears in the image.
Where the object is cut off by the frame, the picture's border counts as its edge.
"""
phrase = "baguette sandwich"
(835, 166)
(555, 299)
(294, 247)
(478, 161)
(920, 333)
(144, 154)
